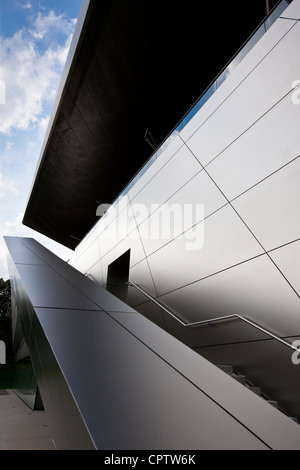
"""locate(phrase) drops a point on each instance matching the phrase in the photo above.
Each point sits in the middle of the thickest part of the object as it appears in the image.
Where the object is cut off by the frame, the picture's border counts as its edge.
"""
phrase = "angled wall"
(239, 158)
(126, 72)
(111, 379)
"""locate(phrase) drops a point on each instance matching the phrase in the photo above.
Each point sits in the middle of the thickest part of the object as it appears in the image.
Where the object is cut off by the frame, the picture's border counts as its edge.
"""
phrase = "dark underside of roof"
(140, 64)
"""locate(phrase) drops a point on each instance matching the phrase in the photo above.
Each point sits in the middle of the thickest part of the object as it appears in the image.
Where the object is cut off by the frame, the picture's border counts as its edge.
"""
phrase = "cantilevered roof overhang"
(133, 65)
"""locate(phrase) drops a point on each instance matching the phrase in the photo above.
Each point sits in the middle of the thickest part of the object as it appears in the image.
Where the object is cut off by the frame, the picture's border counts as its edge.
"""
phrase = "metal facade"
(238, 157)
(111, 379)
(134, 65)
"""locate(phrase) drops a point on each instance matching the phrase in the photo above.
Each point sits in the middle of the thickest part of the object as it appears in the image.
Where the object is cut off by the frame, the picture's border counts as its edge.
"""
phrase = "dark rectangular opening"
(118, 275)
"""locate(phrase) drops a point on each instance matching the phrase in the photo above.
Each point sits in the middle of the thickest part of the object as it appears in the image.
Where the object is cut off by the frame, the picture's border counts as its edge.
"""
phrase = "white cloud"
(6, 187)
(15, 227)
(2, 92)
(51, 24)
(31, 64)
(9, 146)
(43, 124)
(32, 74)
(26, 6)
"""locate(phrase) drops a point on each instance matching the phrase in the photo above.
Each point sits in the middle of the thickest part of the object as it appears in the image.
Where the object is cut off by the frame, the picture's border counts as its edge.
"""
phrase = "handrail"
(91, 277)
(213, 320)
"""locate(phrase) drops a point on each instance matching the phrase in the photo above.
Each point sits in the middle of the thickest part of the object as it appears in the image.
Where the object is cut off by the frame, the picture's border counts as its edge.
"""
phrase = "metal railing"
(214, 320)
(90, 276)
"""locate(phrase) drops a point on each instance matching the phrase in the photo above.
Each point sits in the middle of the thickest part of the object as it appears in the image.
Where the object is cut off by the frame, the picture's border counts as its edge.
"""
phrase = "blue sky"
(35, 36)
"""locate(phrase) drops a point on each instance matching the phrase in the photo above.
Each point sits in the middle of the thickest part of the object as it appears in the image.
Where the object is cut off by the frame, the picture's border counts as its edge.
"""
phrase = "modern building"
(171, 167)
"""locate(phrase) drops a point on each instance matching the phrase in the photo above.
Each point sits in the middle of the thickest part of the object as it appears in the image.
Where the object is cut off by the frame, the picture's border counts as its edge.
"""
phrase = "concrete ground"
(20, 427)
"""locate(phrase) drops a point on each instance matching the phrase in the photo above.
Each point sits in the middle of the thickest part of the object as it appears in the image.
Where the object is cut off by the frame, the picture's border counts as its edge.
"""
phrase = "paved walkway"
(20, 427)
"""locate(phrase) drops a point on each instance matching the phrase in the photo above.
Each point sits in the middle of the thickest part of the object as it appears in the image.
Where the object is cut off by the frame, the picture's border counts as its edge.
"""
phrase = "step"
(255, 390)
(243, 380)
(294, 419)
(273, 403)
(227, 369)
(239, 378)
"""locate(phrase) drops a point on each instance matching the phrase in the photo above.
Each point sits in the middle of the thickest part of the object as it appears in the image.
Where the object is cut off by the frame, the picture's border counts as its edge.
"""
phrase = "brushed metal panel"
(254, 412)
(245, 67)
(120, 209)
(255, 289)
(136, 399)
(88, 240)
(120, 236)
(96, 273)
(154, 165)
(270, 143)
(22, 255)
(293, 10)
(48, 289)
(73, 279)
(141, 275)
(267, 364)
(32, 246)
(198, 198)
(68, 427)
(271, 209)
(117, 248)
(177, 172)
(153, 313)
(88, 257)
(254, 96)
(133, 393)
(226, 242)
(287, 259)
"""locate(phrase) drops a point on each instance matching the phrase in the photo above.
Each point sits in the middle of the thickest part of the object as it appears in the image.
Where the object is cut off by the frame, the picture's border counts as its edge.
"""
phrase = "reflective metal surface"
(235, 245)
(211, 321)
(277, 199)
(240, 106)
(126, 72)
(114, 380)
(272, 357)
(286, 258)
(171, 176)
(247, 264)
(255, 289)
(249, 156)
